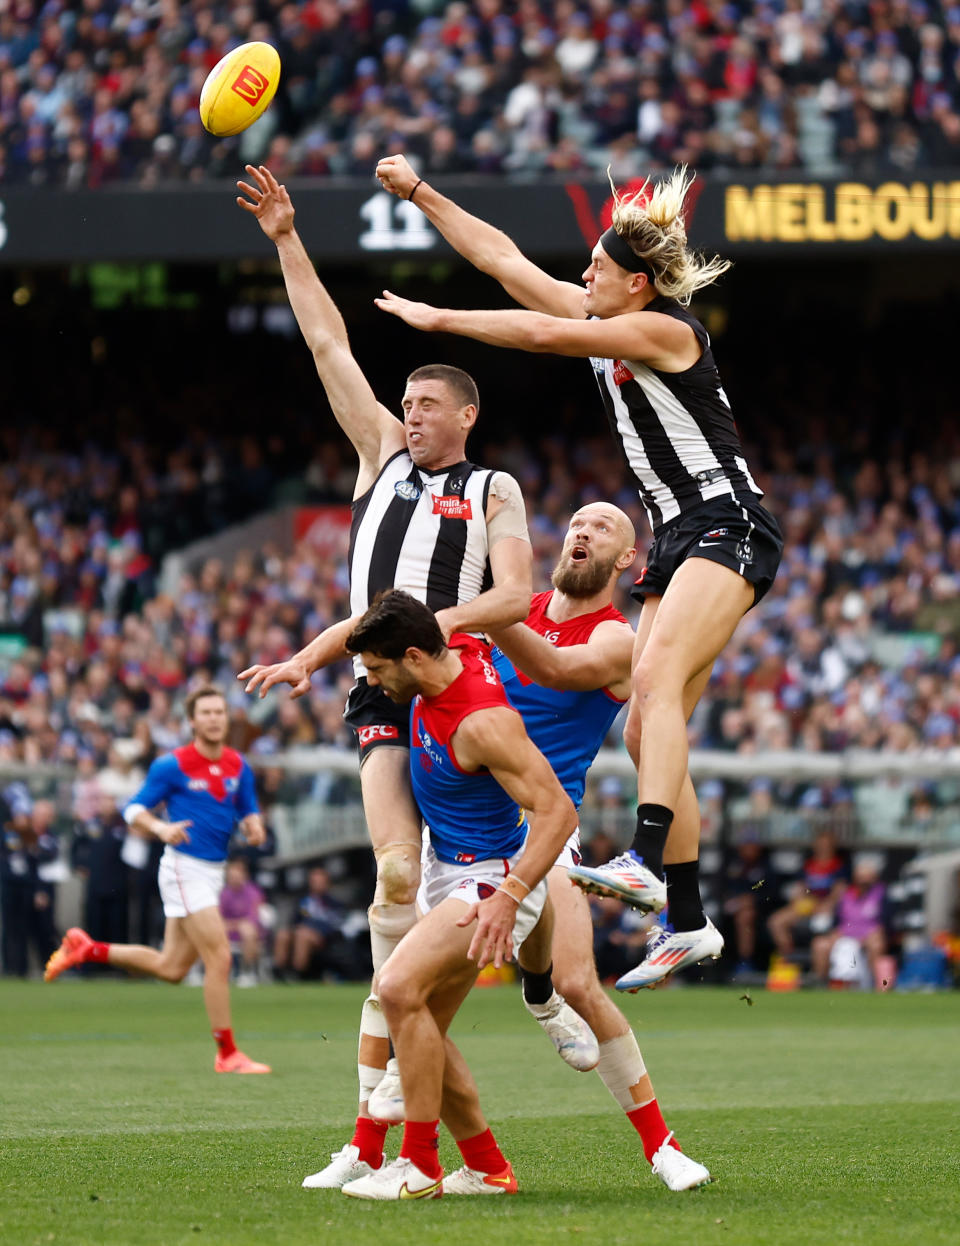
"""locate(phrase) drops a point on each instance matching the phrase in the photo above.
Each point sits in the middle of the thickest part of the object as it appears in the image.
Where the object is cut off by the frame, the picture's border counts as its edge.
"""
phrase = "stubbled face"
(436, 426)
(608, 286)
(597, 539)
(210, 720)
(392, 675)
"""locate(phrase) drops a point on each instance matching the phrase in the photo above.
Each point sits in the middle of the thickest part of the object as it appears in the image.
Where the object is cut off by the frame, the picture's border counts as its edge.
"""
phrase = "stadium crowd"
(106, 90)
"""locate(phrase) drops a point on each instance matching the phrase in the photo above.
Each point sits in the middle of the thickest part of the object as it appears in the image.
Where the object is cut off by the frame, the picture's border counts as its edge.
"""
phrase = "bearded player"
(567, 670)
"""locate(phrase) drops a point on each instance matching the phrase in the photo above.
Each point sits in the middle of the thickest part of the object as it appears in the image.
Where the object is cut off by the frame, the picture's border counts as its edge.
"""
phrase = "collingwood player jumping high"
(716, 549)
(424, 520)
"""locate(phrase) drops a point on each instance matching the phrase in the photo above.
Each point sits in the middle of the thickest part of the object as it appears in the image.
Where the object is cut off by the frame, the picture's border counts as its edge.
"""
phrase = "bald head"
(617, 518)
(598, 547)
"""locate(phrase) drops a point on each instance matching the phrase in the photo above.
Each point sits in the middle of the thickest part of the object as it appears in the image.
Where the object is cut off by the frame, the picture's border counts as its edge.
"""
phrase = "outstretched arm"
(324, 649)
(603, 662)
(374, 432)
(661, 341)
(486, 247)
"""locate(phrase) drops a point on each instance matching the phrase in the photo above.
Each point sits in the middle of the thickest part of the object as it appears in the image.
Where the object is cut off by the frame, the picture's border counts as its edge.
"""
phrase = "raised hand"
(396, 176)
(268, 201)
(416, 315)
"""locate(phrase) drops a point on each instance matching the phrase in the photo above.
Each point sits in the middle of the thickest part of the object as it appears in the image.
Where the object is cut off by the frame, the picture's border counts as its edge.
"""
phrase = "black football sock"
(537, 987)
(683, 896)
(653, 827)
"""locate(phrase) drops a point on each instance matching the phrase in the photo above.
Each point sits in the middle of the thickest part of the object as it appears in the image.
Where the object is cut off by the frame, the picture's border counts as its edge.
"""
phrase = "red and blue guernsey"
(470, 816)
(567, 727)
(212, 795)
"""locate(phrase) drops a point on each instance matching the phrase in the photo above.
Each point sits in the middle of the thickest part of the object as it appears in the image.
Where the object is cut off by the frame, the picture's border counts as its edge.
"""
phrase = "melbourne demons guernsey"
(675, 428)
(470, 816)
(422, 531)
(567, 727)
(213, 796)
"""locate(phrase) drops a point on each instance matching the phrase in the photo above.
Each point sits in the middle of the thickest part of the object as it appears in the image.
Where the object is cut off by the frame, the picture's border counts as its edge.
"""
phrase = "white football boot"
(472, 1181)
(669, 950)
(386, 1100)
(344, 1166)
(401, 1179)
(676, 1170)
(625, 878)
(575, 1042)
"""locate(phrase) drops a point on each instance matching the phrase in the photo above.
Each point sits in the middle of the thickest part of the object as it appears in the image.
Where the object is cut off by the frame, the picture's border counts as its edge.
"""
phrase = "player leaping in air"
(207, 789)
(716, 549)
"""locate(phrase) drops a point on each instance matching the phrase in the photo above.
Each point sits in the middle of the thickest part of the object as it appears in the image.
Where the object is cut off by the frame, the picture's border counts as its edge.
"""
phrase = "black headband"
(623, 254)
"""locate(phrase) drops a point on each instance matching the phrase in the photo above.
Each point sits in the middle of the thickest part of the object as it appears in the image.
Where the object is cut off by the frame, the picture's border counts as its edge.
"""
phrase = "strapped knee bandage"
(393, 911)
(621, 1067)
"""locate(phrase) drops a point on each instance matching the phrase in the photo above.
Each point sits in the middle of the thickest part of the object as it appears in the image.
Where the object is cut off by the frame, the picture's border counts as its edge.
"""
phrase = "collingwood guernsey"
(676, 428)
(423, 531)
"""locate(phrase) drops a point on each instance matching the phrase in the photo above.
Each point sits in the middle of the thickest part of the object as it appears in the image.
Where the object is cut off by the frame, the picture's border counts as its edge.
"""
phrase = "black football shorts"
(740, 535)
(376, 720)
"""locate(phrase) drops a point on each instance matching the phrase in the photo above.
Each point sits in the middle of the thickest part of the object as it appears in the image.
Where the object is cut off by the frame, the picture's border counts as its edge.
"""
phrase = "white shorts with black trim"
(188, 884)
(475, 882)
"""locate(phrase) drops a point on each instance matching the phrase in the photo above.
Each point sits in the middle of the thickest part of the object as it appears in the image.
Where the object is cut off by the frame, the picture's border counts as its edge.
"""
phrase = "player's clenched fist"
(396, 175)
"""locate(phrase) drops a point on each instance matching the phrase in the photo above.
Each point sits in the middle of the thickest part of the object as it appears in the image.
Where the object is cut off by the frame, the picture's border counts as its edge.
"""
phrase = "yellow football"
(239, 88)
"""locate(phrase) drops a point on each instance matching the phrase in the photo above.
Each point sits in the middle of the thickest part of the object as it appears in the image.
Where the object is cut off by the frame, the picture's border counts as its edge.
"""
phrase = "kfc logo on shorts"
(621, 373)
(250, 84)
(642, 576)
(380, 731)
(452, 507)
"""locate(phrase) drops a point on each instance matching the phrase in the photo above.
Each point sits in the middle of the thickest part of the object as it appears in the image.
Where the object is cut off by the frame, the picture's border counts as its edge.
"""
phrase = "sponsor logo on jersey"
(250, 84)
(621, 373)
(407, 490)
(489, 674)
(426, 743)
(379, 731)
(198, 785)
(466, 858)
(452, 507)
(553, 637)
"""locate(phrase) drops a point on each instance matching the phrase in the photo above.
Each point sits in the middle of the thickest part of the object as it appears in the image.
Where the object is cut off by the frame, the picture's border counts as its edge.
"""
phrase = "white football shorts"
(571, 854)
(188, 884)
(475, 882)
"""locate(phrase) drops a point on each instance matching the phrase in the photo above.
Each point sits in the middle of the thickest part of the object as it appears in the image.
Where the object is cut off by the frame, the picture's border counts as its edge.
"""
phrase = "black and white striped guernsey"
(422, 531)
(676, 428)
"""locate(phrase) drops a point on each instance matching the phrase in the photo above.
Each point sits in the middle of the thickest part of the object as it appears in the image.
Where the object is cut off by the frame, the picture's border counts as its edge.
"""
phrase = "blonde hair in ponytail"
(653, 228)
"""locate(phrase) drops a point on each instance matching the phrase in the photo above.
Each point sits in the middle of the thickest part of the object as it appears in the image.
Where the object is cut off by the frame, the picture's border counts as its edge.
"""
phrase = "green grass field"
(825, 1118)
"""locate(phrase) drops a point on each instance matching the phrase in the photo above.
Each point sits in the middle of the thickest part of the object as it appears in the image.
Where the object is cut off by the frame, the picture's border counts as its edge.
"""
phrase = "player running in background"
(567, 671)
(426, 520)
(207, 790)
(496, 817)
(715, 551)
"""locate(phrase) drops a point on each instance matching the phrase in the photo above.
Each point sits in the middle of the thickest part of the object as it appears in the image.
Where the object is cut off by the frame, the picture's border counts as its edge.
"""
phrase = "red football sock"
(482, 1153)
(224, 1040)
(651, 1127)
(369, 1136)
(99, 953)
(420, 1143)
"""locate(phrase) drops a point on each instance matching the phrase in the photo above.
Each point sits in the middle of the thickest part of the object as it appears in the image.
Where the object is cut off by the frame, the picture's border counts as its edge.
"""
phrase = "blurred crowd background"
(102, 91)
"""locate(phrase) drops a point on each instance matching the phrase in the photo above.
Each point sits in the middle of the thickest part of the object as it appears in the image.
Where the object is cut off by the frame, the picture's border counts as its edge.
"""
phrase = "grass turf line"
(825, 1118)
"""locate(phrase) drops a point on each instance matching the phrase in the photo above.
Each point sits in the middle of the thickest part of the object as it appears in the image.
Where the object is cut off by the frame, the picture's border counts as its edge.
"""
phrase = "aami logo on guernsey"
(452, 507)
(367, 735)
(621, 373)
(250, 84)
